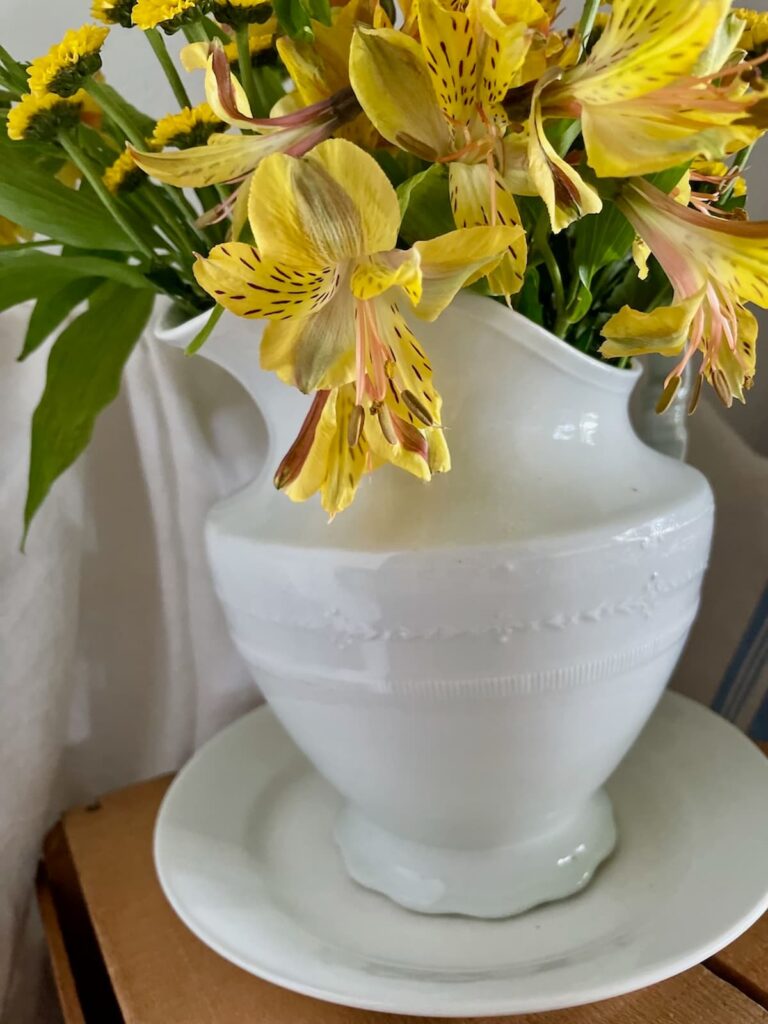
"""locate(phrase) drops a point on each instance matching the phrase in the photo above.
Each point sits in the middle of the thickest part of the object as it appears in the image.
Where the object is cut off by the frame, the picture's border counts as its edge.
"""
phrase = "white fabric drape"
(116, 663)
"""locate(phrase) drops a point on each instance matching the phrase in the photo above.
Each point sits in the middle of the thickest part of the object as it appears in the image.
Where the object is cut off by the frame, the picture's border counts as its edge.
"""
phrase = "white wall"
(30, 26)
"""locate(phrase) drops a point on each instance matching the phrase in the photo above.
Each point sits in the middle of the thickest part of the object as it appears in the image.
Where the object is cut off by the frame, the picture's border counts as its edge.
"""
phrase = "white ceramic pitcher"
(467, 661)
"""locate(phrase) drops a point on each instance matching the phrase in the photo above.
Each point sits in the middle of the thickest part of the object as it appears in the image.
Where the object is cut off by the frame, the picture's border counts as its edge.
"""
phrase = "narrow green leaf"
(31, 197)
(425, 205)
(51, 309)
(205, 331)
(84, 370)
(29, 275)
(600, 239)
(320, 10)
(293, 19)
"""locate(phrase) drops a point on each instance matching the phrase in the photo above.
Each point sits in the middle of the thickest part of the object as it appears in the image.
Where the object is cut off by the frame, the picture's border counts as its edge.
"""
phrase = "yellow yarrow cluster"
(11, 234)
(192, 126)
(63, 69)
(42, 117)
(754, 38)
(113, 12)
(241, 12)
(123, 175)
(168, 15)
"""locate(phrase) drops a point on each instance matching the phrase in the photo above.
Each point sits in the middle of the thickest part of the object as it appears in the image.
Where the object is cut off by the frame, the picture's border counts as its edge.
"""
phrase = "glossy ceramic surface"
(467, 662)
(245, 853)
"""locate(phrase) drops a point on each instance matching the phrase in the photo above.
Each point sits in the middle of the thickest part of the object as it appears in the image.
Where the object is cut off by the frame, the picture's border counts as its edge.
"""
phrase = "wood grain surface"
(100, 858)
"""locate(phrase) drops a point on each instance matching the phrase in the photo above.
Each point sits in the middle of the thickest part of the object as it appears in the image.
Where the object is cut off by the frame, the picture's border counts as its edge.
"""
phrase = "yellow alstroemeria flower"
(340, 441)
(714, 266)
(69, 63)
(653, 94)
(232, 158)
(325, 273)
(320, 68)
(441, 99)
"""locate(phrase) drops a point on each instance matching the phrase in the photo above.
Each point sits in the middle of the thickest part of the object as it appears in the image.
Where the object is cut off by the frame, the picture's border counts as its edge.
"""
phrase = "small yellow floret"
(11, 233)
(67, 63)
(41, 117)
(153, 13)
(113, 12)
(192, 126)
(754, 38)
(123, 175)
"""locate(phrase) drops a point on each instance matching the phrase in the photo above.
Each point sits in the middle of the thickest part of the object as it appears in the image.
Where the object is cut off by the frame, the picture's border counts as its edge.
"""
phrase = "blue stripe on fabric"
(731, 692)
(741, 693)
(758, 730)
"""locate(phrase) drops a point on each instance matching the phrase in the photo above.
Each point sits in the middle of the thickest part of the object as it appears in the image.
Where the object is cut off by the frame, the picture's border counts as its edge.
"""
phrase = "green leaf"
(31, 274)
(320, 10)
(425, 205)
(294, 19)
(205, 331)
(84, 370)
(52, 308)
(37, 201)
(599, 240)
(528, 299)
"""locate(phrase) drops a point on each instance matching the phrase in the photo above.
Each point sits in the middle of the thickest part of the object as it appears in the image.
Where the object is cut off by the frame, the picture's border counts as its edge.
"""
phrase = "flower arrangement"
(353, 167)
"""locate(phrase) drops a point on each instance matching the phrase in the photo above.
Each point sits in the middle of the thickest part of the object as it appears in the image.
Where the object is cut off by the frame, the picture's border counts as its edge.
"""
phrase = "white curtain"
(115, 659)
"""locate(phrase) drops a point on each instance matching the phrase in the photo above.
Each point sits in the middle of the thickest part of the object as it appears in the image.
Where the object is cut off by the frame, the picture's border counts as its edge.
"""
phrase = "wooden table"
(120, 954)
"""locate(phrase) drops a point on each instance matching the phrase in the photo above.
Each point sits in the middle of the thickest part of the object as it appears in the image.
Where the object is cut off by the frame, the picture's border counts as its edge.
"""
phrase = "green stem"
(194, 31)
(214, 31)
(249, 81)
(102, 97)
(110, 108)
(15, 72)
(157, 43)
(542, 242)
(150, 199)
(740, 162)
(92, 174)
(586, 24)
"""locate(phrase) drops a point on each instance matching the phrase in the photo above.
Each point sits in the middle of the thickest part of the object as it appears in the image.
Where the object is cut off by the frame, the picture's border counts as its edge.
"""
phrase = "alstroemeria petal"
(506, 47)
(665, 330)
(345, 465)
(732, 253)
(472, 203)
(566, 195)
(316, 351)
(362, 179)
(375, 274)
(239, 99)
(451, 261)
(300, 215)
(736, 369)
(448, 38)
(646, 45)
(224, 158)
(411, 371)
(251, 285)
(653, 138)
(391, 80)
